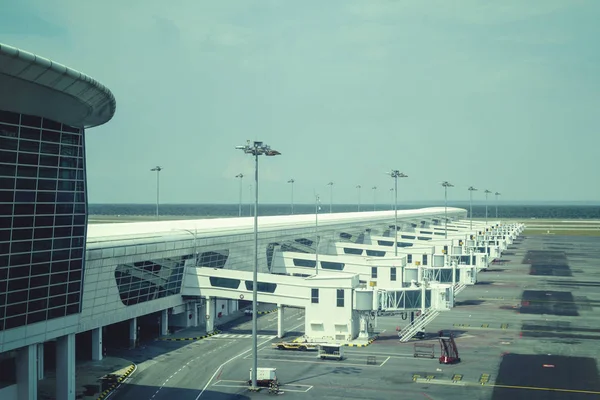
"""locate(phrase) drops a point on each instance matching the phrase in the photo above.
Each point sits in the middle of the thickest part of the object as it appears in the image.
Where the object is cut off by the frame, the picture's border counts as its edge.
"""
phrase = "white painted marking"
(230, 360)
(386, 360)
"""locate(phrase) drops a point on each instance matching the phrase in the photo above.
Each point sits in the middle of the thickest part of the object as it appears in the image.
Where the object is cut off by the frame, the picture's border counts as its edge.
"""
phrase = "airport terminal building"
(68, 289)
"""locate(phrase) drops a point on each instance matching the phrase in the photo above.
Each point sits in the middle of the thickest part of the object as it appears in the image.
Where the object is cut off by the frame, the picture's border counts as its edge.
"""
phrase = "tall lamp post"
(317, 208)
(486, 205)
(446, 185)
(292, 182)
(471, 190)
(374, 196)
(241, 176)
(256, 149)
(392, 198)
(358, 189)
(497, 194)
(330, 184)
(157, 169)
(396, 174)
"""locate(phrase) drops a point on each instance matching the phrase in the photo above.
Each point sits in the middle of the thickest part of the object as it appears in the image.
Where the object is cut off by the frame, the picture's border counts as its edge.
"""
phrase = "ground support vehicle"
(266, 377)
(424, 350)
(448, 350)
(298, 346)
(331, 352)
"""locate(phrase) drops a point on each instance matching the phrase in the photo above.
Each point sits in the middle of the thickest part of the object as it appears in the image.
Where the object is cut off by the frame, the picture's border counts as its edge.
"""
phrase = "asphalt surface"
(530, 329)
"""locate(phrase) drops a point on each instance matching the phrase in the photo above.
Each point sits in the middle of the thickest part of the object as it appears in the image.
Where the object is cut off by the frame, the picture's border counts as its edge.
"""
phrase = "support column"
(40, 361)
(164, 322)
(423, 297)
(211, 304)
(65, 367)
(27, 373)
(97, 344)
(453, 274)
(194, 315)
(132, 333)
(280, 313)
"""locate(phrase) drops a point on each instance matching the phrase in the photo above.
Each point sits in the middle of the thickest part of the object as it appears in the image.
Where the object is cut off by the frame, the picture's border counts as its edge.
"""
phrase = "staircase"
(459, 287)
(418, 324)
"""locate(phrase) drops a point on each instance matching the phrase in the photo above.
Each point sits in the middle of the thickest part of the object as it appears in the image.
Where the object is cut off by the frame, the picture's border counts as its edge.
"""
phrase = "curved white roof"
(228, 226)
(35, 85)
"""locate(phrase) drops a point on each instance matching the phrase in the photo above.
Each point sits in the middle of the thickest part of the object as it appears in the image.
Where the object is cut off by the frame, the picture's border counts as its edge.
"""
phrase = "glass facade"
(42, 219)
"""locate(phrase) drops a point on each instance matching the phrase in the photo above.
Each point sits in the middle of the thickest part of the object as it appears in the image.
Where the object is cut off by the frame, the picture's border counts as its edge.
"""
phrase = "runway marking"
(339, 363)
(386, 360)
(243, 384)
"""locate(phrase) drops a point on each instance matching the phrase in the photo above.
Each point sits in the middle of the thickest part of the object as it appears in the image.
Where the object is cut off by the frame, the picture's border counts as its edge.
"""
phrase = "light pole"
(396, 174)
(392, 198)
(471, 190)
(292, 182)
(330, 184)
(486, 204)
(241, 176)
(374, 196)
(256, 149)
(358, 189)
(446, 185)
(497, 194)
(157, 169)
(317, 208)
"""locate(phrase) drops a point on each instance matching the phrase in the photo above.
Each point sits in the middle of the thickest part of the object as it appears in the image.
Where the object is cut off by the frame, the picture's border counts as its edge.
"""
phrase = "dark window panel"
(73, 298)
(29, 146)
(42, 233)
(5, 235)
(5, 248)
(64, 185)
(10, 117)
(22, 234)
(62, 231)
(43, 208)
(26, 184)
(46, 197)
(56, 312)
(14, 322)
(7, 183)
(77, 242)
(73, 309)
(80, 198)
(49, 148)
(72, 129)
(6, 196)
(60, 255)
(40, 245)
(30, 134)
(68, 162)
(20, 247)
(80, 175)
(14, 297)
(29, 159)
(18, 272)
(47, 184)
(41, 272)
(17, 284)
(75, 275)
(24, 196)
(70, 151)
(49, 160)
(38, 302)
(8, 143)
(8, 157)
(41, 221)
(41, 257)
(65, 173)
(77, 253)
(60, 266)
(61, 277)
(8, 169)
(58, 290)
(63, 220)
(63, 243)
(37, 316)
(22, 222)
(79, 220)
(24, 209)
(49, 124)
(70, 139)
(31, 120)
(26, 171)
(79, 186)
(64, 197)
(78, 231)
(39, 281)
(57, 301)
(48, 173)
(20, 259)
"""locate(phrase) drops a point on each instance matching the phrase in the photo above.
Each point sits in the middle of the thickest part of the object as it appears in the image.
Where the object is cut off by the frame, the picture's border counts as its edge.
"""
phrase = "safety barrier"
(190, 338)
(115, 385)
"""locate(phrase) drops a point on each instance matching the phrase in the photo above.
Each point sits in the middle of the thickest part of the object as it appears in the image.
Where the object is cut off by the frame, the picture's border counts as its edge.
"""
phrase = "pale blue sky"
(498, 94)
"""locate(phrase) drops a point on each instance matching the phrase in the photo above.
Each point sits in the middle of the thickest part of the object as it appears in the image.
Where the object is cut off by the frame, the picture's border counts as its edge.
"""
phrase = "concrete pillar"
(453, 274)
(280, 313)
(164, 322)
(210, 309)
(423, 295)
(40, 360)
(194, 309)
(97, 344)
(65, 367)
(133, 333)
(27, 373)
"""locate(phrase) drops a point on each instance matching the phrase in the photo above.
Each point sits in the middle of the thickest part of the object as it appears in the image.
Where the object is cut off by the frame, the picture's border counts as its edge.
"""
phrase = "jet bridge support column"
(211, 305)
(280, 314)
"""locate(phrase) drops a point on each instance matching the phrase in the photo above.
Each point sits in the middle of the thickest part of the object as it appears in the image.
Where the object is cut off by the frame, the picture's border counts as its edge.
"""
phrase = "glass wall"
(42, 219)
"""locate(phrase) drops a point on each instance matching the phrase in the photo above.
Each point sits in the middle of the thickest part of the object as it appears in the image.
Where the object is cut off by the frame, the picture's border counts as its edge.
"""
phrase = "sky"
(500, 95)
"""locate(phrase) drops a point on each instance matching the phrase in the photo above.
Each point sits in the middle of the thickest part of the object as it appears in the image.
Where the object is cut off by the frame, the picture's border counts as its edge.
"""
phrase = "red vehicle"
(448, 349)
